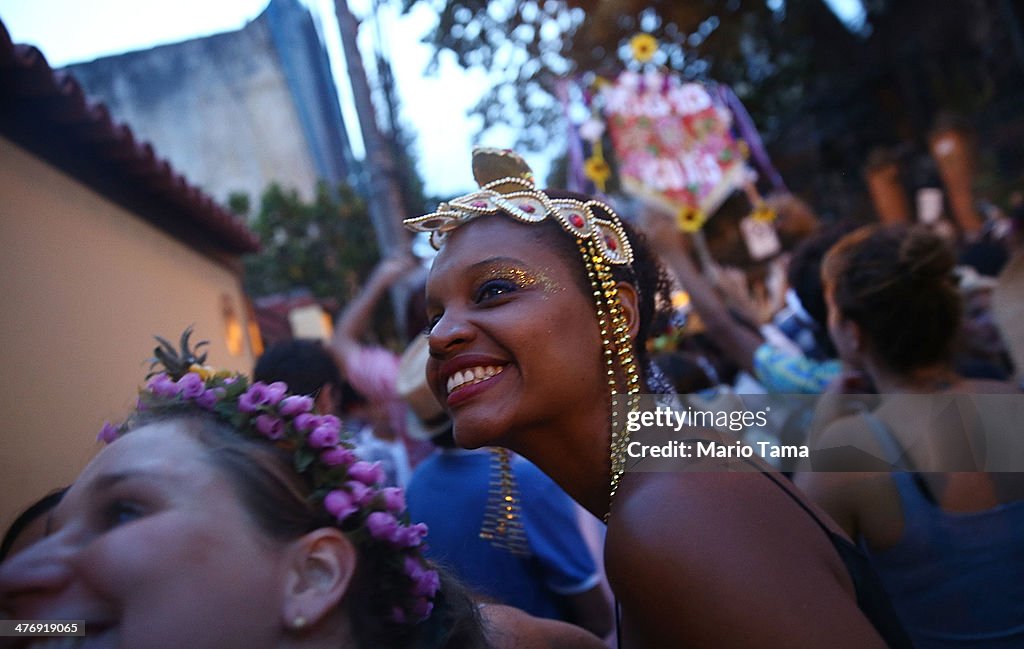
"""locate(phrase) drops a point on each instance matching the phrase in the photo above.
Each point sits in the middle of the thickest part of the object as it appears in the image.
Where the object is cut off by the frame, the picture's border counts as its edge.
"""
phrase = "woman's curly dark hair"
(645, 273)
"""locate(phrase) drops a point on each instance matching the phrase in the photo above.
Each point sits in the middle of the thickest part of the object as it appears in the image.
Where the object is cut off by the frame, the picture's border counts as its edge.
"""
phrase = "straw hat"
(430, 418)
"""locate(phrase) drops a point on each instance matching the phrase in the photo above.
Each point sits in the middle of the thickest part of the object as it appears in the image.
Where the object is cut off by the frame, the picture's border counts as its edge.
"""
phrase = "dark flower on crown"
(347, 487)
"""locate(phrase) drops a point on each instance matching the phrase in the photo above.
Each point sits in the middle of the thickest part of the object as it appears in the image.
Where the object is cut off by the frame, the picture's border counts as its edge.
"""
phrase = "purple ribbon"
(575, 180)
(747, 131)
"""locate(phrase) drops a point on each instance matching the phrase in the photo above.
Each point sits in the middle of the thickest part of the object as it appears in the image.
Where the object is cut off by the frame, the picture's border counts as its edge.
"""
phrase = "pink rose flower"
(421, 609)
(306, 422)
(414, 568)
(191, 385)
(411, 536)
(340, 504)
(108, 433)
(254, 398)
(394, 499)
(361, 494)
(208, 399)
(369, 474)
(323, 436)
(427, 584)
(294, 405)
(270, 426)
(382, 526)
(338, 456)
(331, 422)
(162, 386)
(275, 392)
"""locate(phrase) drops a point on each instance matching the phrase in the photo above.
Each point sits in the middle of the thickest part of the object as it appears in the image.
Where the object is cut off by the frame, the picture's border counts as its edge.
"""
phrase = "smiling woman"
(540, 304)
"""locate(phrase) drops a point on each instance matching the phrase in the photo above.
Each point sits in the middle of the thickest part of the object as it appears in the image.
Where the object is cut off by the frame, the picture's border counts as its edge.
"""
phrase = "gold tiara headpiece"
(507, 186)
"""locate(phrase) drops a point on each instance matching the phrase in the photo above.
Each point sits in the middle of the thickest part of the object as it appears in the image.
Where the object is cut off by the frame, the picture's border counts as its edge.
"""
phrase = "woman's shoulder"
(743, 551)
(709, 510)
(511, 628)
(988, 386)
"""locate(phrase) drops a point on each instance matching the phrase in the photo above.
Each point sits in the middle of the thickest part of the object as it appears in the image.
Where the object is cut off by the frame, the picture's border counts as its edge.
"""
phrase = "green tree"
(326, 246)
(822, 94)
(763, 48)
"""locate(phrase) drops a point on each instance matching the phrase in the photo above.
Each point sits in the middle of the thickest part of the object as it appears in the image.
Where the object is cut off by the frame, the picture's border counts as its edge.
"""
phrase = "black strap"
(618, 624)
(896, 456)
(793, 497)
(871, 597)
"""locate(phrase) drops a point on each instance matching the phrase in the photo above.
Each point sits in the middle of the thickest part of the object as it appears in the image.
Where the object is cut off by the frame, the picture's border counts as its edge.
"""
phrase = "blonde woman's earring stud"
(299, 622)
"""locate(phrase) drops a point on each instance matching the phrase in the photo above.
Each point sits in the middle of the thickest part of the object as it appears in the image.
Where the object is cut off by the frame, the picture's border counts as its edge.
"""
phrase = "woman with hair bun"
(943, 535)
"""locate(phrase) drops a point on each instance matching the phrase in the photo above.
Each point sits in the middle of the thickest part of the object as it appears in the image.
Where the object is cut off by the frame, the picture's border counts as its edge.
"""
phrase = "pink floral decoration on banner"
(673, 141)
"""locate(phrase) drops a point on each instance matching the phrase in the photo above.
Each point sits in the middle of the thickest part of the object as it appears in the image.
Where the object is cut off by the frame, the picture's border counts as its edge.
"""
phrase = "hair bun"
(490, 164)
(925, 256)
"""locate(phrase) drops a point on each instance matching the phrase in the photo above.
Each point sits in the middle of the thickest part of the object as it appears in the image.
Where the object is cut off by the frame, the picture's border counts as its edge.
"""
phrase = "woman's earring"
(298, 622)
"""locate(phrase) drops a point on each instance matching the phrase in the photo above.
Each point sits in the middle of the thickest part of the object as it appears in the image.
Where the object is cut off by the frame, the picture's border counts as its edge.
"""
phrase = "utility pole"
(385, 198)
(385, 195)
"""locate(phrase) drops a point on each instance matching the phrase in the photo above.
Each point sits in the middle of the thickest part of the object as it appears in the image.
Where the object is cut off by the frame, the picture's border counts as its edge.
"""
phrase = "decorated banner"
(674, 145)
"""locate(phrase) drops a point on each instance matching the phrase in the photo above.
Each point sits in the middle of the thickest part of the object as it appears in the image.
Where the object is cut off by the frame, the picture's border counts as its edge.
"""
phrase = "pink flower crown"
(348, 488)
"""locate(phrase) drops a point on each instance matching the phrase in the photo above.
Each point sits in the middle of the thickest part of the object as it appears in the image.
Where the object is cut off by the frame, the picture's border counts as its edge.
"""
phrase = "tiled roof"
(35, 97)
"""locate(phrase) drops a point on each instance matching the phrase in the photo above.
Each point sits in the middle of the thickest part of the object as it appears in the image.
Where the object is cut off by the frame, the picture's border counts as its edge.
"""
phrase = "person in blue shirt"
(548, 570)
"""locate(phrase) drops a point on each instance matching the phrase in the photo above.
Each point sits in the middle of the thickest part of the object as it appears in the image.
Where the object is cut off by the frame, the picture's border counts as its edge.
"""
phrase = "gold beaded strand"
(502, 524)
(617, 350)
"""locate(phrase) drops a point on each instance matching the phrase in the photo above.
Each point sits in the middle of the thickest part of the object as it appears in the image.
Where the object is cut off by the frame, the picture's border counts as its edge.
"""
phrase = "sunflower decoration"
(644, 47)
(680, 300)
(763, 213)
(596, 168)
(690, 219)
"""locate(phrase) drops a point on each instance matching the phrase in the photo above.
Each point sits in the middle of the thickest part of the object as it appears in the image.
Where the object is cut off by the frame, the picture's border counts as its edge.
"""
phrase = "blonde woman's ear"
(319, 572)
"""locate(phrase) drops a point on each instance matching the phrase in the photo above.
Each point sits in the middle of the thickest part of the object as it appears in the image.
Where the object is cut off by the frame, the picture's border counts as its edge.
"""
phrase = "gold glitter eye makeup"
(521, 278)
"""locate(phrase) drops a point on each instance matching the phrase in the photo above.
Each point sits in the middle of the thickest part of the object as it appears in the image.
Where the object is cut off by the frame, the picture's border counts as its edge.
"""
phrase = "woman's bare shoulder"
(988, 386)
(511, 628)
(717, 556)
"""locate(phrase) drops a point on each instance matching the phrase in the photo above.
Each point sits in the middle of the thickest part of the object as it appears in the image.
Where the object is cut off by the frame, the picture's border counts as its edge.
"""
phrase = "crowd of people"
(476, 491)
